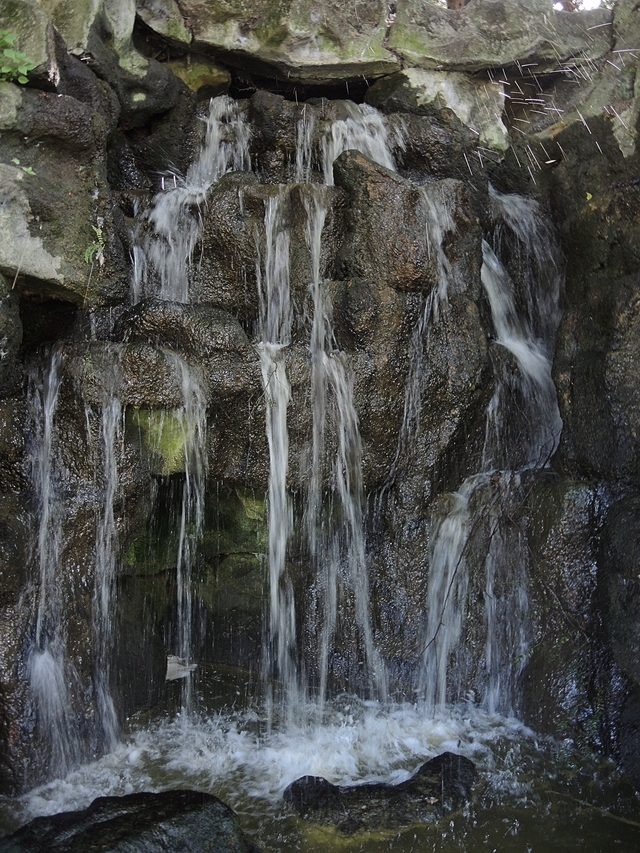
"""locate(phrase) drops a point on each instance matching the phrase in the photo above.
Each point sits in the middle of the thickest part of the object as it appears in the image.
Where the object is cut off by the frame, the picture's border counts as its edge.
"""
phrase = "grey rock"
(440, 785)
(493, 34)
(180, 821)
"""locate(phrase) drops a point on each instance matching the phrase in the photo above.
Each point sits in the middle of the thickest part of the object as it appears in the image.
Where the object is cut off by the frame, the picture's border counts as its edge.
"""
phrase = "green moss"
(163, 433)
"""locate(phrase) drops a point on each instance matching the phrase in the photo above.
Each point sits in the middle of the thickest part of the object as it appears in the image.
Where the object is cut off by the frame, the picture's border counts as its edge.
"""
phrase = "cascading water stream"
(275, 332)
(363, 130)
(105, 571)
(436, 211)
(528, 333)
(341, 540)
(49, 670)
(170, 228)
(193, 425)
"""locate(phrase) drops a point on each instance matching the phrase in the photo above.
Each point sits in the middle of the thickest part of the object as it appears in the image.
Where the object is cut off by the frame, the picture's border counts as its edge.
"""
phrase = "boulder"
(489, 34)
(34, 37)
(165, 18)
(180, 821)
(58, 234)
(478, 104)
(439, 786)
(298, 40)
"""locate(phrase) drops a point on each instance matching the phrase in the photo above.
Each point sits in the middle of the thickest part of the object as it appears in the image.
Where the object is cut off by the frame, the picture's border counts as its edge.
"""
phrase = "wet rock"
(560, 691)
(476, 103)
(440, 785)
(629, 738)
(621, 584)
(492, 33)
(297, 41)
(180, 821)
(10, 333)
(374, 249)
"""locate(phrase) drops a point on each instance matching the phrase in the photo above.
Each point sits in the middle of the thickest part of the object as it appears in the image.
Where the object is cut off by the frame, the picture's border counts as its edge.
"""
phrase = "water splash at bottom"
(532, 794)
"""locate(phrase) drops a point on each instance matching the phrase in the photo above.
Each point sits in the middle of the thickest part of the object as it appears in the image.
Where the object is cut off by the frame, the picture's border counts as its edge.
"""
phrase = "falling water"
(275, 331)
(192, 419)
(525, 321)
(105, 571)
(171, 227)
(340, 541)
(304, 148)
(435, 209)
(363, 130)
(49, 670)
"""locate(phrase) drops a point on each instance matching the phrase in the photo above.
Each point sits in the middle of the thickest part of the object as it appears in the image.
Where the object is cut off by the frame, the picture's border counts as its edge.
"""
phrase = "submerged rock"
(187, 821)
(438, 786)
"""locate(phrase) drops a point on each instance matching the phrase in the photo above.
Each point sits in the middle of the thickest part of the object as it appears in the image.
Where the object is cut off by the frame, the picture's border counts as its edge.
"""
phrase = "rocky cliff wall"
(515, 94)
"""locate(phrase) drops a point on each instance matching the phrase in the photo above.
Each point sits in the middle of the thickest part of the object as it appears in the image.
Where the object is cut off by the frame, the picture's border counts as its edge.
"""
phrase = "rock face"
(437, 787)
(173, 820)
(507, 93)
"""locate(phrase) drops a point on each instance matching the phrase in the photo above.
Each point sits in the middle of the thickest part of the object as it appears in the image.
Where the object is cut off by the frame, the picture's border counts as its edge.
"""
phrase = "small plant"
(14, 65)
(95, 252)
(28, 170)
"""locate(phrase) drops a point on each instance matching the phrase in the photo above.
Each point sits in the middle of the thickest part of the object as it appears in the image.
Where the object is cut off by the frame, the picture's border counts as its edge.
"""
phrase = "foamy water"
(357, 742)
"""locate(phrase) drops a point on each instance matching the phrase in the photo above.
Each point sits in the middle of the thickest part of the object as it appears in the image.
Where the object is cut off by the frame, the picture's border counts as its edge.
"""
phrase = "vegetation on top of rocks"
(14, 65)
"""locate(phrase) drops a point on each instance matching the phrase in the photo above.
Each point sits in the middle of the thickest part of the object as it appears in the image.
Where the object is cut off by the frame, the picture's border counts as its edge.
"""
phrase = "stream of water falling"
(193, 426)
(49, 670)
(105, 571)
(272, 274)
(170, 228)
(527, 397)
(337, 548)
(363, 130)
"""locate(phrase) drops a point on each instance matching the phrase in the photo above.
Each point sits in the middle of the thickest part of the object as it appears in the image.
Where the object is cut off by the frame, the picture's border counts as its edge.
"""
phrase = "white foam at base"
(227, 755)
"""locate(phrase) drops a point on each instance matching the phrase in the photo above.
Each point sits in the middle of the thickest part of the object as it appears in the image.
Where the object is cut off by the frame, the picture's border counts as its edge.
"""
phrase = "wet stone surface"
(440, 785)
(179, 821)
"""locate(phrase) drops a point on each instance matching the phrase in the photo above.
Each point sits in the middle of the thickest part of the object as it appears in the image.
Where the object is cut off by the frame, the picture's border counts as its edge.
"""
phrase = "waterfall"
(275, 332)
(105, 571)
(304, 149)
(341, 540)
(170, 229)
(192, 420)
(435, 210)
(49, 670)
(363, 130)
(525, 320)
